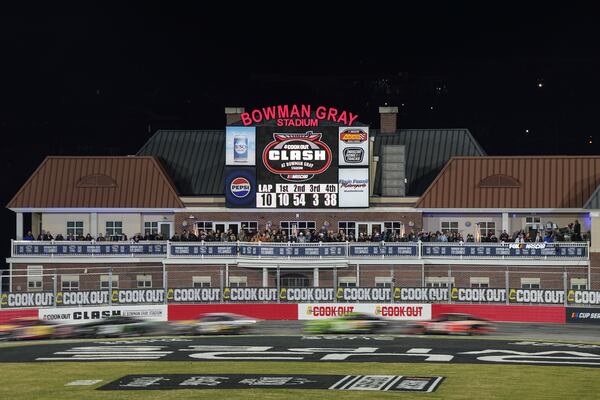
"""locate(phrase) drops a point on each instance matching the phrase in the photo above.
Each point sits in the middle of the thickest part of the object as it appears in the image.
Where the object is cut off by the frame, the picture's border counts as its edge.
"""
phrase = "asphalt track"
(533, 344)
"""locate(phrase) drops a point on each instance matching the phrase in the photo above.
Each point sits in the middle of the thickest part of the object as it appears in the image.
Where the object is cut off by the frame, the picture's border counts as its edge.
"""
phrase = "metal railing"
(257, 250)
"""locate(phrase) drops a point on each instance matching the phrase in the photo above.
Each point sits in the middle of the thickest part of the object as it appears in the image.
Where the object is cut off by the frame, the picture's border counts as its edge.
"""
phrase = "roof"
(514, 182)
(195, 159)
(427, 151)
(98, 182)
(593, 202)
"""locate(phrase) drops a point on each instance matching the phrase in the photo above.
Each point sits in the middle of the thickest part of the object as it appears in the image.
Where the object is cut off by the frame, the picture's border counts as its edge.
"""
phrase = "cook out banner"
(299, 295)
(78, 315)
(409, 312)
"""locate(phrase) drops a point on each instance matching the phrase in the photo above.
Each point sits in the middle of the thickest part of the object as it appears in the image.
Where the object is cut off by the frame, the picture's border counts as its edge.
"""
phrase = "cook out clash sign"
(298, 115)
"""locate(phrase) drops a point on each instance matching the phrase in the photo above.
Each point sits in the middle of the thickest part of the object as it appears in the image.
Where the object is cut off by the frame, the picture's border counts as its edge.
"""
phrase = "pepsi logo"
(240, 187)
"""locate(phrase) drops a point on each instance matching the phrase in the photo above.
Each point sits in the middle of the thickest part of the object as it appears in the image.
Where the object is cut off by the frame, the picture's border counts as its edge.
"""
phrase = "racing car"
(214, 323)
(350, 323)
(452, 323)
(115, 326)
(32, 328)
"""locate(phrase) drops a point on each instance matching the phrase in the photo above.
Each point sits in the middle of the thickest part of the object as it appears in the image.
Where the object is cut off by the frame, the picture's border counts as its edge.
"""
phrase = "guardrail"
(245, 250)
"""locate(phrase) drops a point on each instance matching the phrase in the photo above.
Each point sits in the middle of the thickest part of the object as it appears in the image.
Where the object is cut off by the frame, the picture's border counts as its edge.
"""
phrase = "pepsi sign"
(240, 187)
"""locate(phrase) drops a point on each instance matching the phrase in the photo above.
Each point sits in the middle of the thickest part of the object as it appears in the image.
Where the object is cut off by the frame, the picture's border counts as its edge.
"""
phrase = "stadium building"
(301, 196)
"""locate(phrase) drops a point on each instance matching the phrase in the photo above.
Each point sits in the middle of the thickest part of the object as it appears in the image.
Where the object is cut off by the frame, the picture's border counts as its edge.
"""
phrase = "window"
(533, 222)
(200, 281)
(204, 226)
(383, 281)
(530, 283)
(347, 281)
(250, 226)
(295, 280)
(69, 282)
(75, 228)
(114, 228)
(394, 227)
(486, 227)
(238, 281)
(290, 227)
(104, 282)
(439, 281)
(150, 227)
(144, 281)
(449, 227)
(34, 278)
(349, 227)
(578, 283)
(479, 282)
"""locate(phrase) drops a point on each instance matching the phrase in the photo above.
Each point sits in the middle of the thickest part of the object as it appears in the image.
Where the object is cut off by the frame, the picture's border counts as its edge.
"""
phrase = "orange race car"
(452, 323)
(32, 328)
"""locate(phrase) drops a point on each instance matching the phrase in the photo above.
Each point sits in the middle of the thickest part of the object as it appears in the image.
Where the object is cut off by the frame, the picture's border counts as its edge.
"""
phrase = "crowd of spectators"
(551, 233)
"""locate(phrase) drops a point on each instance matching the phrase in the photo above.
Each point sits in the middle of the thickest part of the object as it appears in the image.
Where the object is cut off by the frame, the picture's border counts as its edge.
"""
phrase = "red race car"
(453, 323)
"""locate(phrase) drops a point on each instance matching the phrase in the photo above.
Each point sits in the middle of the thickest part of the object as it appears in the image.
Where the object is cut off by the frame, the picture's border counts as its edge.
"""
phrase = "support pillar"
(94, 225)
(315, 277)
(265, 277)
(19, 232)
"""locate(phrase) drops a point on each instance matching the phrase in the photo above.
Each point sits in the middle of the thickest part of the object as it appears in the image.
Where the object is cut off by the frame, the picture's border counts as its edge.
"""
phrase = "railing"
(252, 250)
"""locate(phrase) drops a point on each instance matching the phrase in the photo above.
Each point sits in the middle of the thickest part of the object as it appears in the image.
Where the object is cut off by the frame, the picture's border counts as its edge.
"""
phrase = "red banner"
(505, 313)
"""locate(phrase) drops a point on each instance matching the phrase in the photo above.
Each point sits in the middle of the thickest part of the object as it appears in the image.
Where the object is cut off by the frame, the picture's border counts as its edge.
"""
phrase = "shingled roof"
(195, 159)
(98, 182)
(514, 182)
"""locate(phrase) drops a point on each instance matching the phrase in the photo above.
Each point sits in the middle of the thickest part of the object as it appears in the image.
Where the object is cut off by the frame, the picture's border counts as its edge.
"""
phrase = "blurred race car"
(116, 326)
(452, 323)
(349, 323)
(32, 328)
(211, 323)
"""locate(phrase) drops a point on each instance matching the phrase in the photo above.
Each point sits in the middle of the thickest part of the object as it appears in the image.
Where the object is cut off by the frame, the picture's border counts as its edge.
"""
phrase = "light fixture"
(191, 217)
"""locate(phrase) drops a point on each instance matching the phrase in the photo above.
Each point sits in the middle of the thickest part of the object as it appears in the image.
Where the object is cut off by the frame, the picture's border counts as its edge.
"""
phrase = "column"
(315, 277)
(265, 277)
(19, 226)
(505, 226)
(357, 275)
(94, 225)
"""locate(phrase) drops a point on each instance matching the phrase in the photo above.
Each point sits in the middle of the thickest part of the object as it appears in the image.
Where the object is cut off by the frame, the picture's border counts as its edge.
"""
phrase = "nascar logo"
(353, 136)
(240, 187)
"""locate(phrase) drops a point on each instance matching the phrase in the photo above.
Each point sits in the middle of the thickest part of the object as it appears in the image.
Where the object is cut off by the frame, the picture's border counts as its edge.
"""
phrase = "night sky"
(100, 80)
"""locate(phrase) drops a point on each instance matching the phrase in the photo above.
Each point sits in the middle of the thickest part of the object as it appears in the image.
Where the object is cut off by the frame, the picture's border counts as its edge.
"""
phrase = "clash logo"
(240, 187)
(297, 157)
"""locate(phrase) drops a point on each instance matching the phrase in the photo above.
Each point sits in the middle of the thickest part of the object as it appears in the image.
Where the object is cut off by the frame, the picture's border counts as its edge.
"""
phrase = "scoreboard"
(297, 167)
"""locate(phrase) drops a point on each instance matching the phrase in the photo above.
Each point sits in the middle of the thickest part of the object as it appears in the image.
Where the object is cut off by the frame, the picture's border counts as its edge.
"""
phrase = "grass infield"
(463, 381)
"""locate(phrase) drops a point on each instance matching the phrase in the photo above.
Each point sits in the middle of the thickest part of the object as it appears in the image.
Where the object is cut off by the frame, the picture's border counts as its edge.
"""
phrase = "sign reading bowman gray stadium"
(298, 295)
(371, 383)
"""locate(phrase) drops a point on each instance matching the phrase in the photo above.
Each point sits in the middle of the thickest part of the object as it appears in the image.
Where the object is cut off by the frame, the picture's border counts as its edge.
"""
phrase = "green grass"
(463, 381)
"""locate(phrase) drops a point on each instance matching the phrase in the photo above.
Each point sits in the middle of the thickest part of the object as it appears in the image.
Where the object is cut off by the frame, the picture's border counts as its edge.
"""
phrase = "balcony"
(347, 251)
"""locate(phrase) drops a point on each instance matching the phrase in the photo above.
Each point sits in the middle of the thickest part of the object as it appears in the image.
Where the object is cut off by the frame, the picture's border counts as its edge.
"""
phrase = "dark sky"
(100, 80)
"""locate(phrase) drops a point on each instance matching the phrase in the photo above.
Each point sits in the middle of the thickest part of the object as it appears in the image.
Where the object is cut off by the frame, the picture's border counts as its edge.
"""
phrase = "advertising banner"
(354, 146)
(240, 187)
(26, 299)
(240, 145)
(299, 250)
(383, 249)
(536, 296)
(100, 248)
(353, 187)
(138, 296)
(586, 297)
(194, 295)
(508, 250)
(408, 312)
(78, 315)
(82, 298)
(249, 294)
(478, 295)
(582, 315)
(423, 295)
(206, 250)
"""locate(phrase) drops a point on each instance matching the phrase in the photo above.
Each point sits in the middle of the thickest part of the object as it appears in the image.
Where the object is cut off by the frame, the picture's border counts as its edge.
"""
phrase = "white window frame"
(579, 283)
(114, 230)
(439, 281)
(250, 226)
(201, 281)
(394, 227)
(344, 225)
(530, 283)
(205, 226)
(75, 228)
(70, 279)
(450, 228)
(143, 281)
(383, 281)
(479, 282)
(300, 225)
(35, 278)
(487, 227)
(238, 281)
(104, 282)
(347, 281)
(150, 227)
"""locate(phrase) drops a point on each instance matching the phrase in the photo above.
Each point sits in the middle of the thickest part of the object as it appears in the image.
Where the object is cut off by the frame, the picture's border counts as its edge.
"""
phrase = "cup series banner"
(292, 166)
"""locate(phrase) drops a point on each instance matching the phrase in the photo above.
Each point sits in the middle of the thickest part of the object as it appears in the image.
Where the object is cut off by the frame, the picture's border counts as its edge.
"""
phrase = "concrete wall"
(57, 223)
(132, 223)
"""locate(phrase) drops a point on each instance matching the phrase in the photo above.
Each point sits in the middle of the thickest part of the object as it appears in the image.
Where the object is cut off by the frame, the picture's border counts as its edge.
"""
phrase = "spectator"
(101, 238)
(28, 236)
